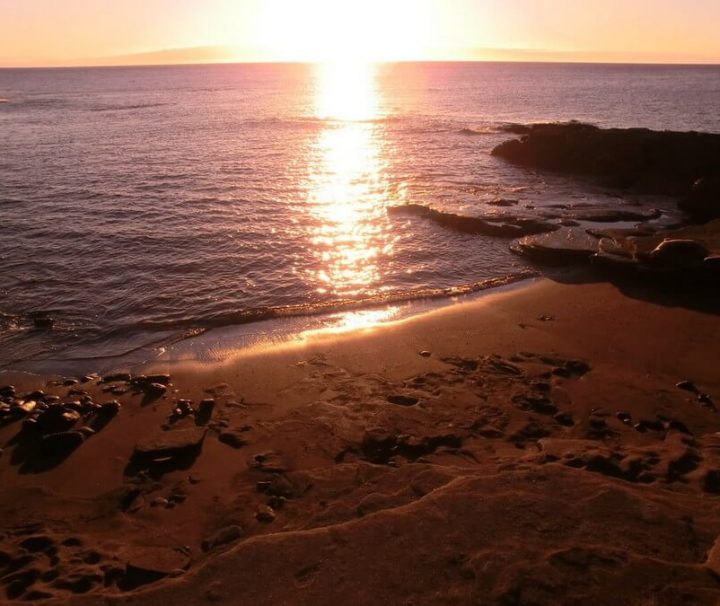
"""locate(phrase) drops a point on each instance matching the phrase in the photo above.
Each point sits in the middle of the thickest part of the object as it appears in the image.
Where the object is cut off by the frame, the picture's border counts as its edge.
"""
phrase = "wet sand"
(530, 447)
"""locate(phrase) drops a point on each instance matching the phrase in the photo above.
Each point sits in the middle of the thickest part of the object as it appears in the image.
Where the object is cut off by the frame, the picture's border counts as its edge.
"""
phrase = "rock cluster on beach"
(686, 165)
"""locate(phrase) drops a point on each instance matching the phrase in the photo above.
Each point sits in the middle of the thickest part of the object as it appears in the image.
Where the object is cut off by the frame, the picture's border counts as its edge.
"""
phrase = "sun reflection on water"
(347, 194)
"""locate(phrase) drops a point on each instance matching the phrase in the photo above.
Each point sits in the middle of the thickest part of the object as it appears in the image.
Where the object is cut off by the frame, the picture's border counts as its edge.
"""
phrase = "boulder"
(170, 443)
(61, 443)
(678, 254)
(702, 203)
(647, 161)
(568, 244)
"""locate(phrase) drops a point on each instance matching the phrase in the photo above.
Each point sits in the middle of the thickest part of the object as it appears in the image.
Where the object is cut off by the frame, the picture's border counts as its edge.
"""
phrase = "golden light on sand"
(331, 31)
(346, 193)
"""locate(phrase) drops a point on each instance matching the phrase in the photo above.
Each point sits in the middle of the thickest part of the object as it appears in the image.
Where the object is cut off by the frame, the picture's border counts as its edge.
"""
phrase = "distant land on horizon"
(227, 54)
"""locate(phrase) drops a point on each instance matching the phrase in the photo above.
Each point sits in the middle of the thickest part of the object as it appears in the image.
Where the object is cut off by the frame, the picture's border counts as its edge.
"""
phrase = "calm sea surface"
(140, 205)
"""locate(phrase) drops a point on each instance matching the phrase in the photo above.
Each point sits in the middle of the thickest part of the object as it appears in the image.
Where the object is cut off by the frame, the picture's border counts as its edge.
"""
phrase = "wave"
(118, 108)
(259, 314)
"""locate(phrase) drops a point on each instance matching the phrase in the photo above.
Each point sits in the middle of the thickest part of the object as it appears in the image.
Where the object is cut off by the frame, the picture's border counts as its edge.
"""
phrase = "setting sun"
(330, 31)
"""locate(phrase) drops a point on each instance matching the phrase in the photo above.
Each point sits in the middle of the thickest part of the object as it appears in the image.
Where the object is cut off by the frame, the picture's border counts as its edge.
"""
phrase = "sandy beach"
(529, 447)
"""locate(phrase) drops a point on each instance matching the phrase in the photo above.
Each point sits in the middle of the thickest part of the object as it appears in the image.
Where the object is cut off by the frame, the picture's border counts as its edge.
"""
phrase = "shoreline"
(540, 428)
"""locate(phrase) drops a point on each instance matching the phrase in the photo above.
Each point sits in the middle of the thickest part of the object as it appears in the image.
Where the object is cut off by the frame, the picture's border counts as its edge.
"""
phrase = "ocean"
(140, 207)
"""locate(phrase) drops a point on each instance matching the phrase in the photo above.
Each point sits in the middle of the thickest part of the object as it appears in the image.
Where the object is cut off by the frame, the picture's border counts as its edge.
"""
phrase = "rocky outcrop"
(690, 252)
(507, 227)
(683, 164)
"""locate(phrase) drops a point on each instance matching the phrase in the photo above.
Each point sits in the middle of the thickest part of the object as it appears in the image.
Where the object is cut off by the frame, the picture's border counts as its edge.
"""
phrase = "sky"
(106, 32)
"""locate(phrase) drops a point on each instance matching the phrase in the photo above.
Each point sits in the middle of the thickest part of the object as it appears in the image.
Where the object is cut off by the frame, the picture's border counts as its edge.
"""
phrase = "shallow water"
(140, 205)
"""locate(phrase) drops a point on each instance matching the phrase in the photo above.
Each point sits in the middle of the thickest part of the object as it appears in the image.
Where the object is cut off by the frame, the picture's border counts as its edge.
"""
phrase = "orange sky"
(81, 32)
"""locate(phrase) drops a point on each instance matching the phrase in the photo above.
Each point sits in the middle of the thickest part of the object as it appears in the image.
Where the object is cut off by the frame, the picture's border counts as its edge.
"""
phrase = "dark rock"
(155, 389)
(143, 380)
(222, 537)
(233, 438)
(110, 408)
(57, 418)
(572, 369)
(118, 377)
(711, 481)
(205, 411)
(625, 417)
(687, 386)
(534, 403)
(37, 543)
(169, 443)
(648, 161)
(706, 400)
(183, 408)
(504, 202)
(149, 564)
(401, 400)
(678, 254)
(702, 202)
(61, 443)
(8, 391)
(564, 419)
(269, 462)
(265, 514)
(42, 320)
(500, 228)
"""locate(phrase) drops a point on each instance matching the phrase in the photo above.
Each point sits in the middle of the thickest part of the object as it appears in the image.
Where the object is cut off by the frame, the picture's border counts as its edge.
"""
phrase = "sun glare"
(346, 193)
(334, 31)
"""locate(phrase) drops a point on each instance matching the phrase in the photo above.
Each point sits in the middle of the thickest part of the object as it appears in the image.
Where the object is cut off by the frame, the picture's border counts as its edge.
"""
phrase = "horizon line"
(709, 63)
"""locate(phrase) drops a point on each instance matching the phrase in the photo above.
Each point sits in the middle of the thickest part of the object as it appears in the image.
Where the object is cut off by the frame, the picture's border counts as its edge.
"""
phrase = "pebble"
(706, 400)
(687, 386)
(426, 354)
(625, 417)
(265, 514)
(118, 377)
(222, 537)
(159, 502)
(62, 443)
(155, 388)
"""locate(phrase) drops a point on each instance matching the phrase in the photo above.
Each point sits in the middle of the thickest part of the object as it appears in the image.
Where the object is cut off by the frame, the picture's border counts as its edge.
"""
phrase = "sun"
(343, 30)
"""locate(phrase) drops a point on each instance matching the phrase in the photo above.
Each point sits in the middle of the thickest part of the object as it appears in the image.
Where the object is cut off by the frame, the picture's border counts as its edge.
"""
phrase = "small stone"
(70, 382)
(234, 439)
(156, 389)
(110, 408)
(706, 400)
(222, 537)
(37, 543)
(401, 400)
(276, 501)
(624, 417)
(687, 386)
(149, 564)
(8, 391)
(159, 502)
(426, 354)
(168, 443)
(193, 478)
(61, 443)
(118, 377)
(564, 419)
(265, 514)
